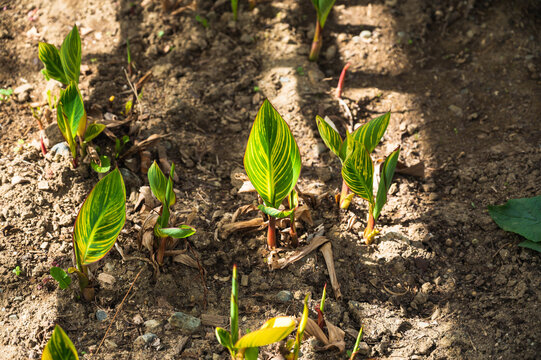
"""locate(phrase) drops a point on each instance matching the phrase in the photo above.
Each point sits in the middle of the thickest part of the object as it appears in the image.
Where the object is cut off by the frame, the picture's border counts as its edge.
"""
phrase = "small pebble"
(101, 315)
(44, 245)
(184, 321)
(13, 317)
(284, 296)
(43, 185)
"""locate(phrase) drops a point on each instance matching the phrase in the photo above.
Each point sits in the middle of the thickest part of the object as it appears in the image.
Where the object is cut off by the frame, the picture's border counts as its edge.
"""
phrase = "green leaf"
(279, 214)
(92, 131)
(83, 279)
(251, 353)
(293, 199)
(271, 331)
(521, 216)
(64, 127)
(100, 219)
(272, 159)
(181, 232)
(323, 8)
(70, 55)
(60, 275)
(234, 8)
(357, 170)
(59, 347)
(531, 245)
(329, 134)
(224, 338)
(158, 184)
(234, 307)
(73, 106)
(370, 134)
(387, 173)
(50, 57)
(302, 326)
(104, 167)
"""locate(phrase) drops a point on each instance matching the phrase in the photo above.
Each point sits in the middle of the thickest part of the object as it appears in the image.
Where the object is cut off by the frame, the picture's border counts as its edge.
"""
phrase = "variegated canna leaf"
(100, 219)
(73, 107)
(387, 173)
(329, 134)
(272, 159)
(358, 169)
(370, 134)
(64, 127)
(50, 57)
(59, 347)
(158, 184)
(273, 330)
(70, 55)
(279, 214)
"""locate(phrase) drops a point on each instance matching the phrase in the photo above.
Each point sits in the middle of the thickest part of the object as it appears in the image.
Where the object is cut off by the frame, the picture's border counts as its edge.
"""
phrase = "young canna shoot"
(98, 224)
(59, 347)
(247, 346)
(294, 346)
(323, 8)
(273, 164)
(162, 188)
(356, 346)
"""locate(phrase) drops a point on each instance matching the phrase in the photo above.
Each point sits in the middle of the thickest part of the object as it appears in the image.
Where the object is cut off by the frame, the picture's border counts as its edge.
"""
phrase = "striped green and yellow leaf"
(73, 107)
(59, 347)
(370, 134)
(272, 159)
(271, 331)
(50, 57)
(158, 184)
(100, 219)
(357, 170)
(329, 134)
(64, 127)
(70, 55)
(224, 338)
(387, 173)
(92, 131)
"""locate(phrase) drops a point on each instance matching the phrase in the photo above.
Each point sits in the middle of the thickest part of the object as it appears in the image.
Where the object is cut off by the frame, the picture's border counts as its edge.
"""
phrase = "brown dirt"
(441, 281)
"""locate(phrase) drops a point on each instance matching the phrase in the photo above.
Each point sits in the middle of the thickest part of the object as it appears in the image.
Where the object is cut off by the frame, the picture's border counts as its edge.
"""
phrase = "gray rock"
(321, 148)
(131, 180)
(284, 296)
(146, 339)
(153, 325)
(106, 280)
(184, 321)
(52, 132)
(364, 349)
(101, 315)
(456, 110)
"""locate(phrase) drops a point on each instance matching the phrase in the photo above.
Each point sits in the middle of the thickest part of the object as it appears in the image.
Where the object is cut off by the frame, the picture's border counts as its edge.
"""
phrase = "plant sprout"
(162, 188)
(247, 346)
(234, 9)
(323, 8)
(357, 343)
(273, 164)
(59, 347)
(294, 346)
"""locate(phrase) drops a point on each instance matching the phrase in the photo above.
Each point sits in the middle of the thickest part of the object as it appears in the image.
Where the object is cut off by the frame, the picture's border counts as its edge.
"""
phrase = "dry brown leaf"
(280, 263)
(334, 340)
(243, 210)
(303, 213)
(326, 250)
(146, 234)
(164, 162)
(256, 223)
(247, 187)
(140, 145)
(186, 260)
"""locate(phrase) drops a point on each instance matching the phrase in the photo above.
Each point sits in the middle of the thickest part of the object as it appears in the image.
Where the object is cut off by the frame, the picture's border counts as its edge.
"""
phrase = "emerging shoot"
(323, 8)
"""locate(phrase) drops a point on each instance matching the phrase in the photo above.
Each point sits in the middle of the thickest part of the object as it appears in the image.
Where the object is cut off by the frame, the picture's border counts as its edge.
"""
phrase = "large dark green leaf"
(370, 134)
(329, 134)
(521, 216)
(73, 106)
(387, 173)
(59, 347)
(357, 170)
(70, 55)
(100, 219)
(272, 159)
(50, 57)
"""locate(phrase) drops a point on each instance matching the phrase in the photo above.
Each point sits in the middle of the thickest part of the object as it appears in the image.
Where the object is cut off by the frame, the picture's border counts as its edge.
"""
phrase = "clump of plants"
(358, 167)
(273, 164)
(162, 188)
(323, 8)
(96, 229)
(64, 66)
(59, 347)
(247, 346)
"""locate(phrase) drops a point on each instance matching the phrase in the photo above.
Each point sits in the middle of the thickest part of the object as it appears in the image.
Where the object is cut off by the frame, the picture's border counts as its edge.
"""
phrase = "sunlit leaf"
(300, 330)
(50, 57)
(357, 170)
(103, 167)
(387, 173)
(271, 331)
(59, 347)
(60, 275)
(251, 353)
(224, 338)
(272, 159)
(73, 106)
(181, 232)
(158, 184)
(100, 219)
(329, 134)
(70, 55)
(64, 127)
(370, 134)
(279, 214)
(92, 131)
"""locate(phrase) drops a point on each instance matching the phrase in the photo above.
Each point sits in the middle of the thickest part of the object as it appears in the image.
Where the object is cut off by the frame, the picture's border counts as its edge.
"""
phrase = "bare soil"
(441, 281)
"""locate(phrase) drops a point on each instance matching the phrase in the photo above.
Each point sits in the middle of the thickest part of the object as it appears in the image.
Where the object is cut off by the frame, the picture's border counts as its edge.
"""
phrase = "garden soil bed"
(441, 281)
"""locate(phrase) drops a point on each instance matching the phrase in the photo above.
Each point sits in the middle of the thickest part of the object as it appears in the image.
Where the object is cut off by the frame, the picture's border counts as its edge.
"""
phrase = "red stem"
(42, 143)
(369, 226)
(341, 81)
(271, 237)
